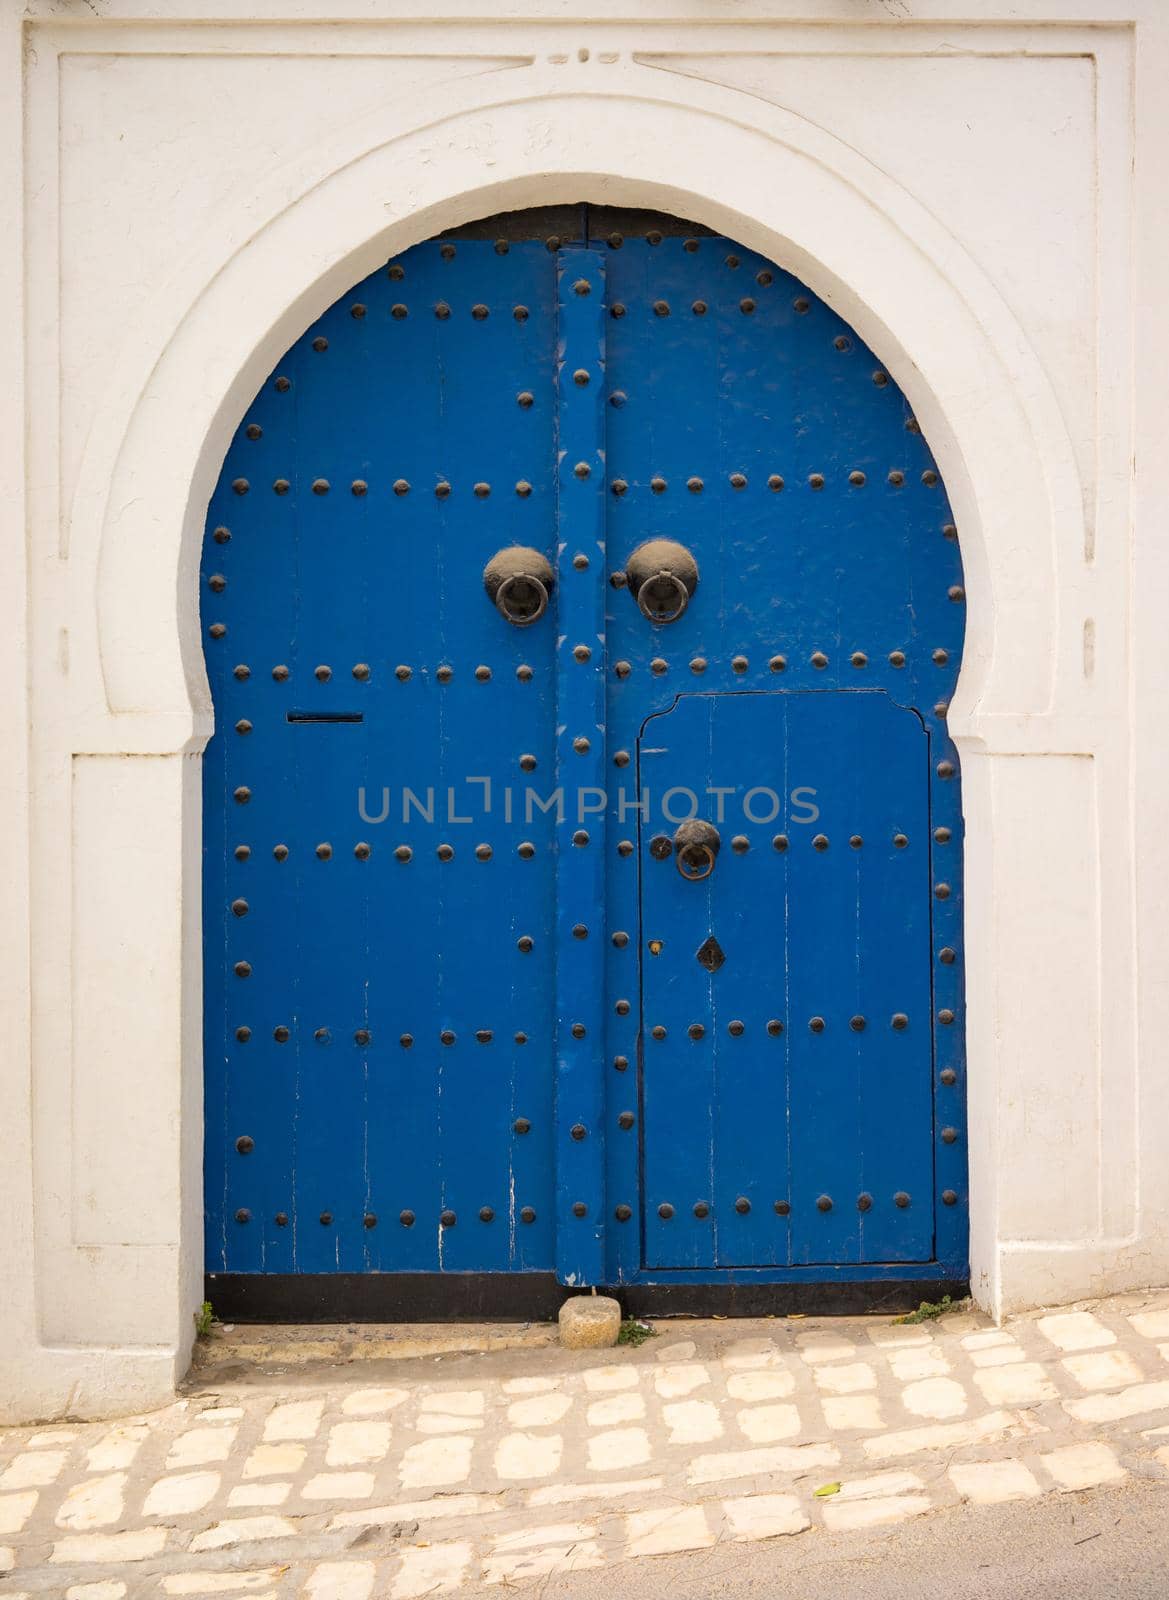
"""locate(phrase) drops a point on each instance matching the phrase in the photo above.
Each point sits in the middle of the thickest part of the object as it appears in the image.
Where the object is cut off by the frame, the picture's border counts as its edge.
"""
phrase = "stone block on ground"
(589, 1322)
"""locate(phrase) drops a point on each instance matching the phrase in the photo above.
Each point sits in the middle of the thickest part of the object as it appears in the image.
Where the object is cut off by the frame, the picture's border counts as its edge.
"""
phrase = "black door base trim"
(537, 1297)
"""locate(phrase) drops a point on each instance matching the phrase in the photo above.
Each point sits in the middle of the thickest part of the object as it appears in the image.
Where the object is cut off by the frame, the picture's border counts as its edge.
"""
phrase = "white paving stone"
(678, 1350)
(766, 1424)
(1129, 1402)
(353, 1444)
(539, 1411)
(529, 1385)
(771, 1385)
(341, 1580)
(81, 1548)
(528, 1455)
(692, 1421)
(271, 1459)
(935, 1397)
(258, 1496)
(1104, 1369)
(16, 1509)
(339, 1486)
(7, 1558)
(33, 1470)
(180, 1495)
(999, 1355)
(849, 1377)
(599, 1380)
(764, 1516)
(221, 1414)
(94, 1503)
(749, 1354)
(817, 1347)
(201, 1447)
(435, 1422)
(433, 1463)
(619, 1448)
(991, 1483)
(941, 1436)
(853, 1411)
(241, 1530)
(455, 1403)
(879, 1485)
(1083, 1466)
(725, 1465)
(615, 1410)
(667, 1529)
(1151, 1324)
(536, 1552)
(51, 1438)
(513, 1567)
(679, 1379)
(547, 1533)
(986, 1339)
(185, 1583)
(118, 1448)
(372, 1402)
(432, 1569)
(103, 1589)
(1075, 1330)
(899, 1336)
(448, 1505)
(919, 1361)
(567, 1494)
(850, 1515)
(296, 1419)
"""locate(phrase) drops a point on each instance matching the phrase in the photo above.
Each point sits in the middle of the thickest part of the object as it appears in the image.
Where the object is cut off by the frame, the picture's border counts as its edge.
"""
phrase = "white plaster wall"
(975, 185)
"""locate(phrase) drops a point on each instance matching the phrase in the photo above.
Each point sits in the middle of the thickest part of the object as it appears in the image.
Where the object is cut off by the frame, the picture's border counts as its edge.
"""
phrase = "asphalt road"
(1106, 1544)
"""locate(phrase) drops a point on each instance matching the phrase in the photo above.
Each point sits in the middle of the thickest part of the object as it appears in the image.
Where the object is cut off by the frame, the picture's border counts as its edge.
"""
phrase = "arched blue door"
(582, 833)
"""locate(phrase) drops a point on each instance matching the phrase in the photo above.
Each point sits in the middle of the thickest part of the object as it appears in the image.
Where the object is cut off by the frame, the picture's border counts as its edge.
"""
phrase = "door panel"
(385, 1061)
(787, 1093)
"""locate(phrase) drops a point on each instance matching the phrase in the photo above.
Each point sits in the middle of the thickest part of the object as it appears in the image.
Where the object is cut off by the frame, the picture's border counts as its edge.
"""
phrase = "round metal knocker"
(662, 576)
(519, 582)
(695, 862)
(696, 846)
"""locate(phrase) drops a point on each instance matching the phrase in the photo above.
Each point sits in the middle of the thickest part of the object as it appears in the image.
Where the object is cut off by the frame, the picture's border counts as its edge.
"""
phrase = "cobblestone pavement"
(427, 1475)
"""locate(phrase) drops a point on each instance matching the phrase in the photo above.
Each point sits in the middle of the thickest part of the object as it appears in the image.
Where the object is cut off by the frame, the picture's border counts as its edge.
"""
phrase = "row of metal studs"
(362, 1037)
(623, 1213)
(660, 847)
(363, 672)
(480, 312)
(526, 850)
(448, 1219)
(654, 236)
(618, 486)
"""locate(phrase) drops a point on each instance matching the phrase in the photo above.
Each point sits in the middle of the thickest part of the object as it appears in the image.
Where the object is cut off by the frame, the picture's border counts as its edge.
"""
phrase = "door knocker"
(696, 845)
(662, 577)
(519, 581)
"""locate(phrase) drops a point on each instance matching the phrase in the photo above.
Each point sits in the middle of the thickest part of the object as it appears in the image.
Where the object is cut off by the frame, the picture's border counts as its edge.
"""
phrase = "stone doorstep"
(301, 1344)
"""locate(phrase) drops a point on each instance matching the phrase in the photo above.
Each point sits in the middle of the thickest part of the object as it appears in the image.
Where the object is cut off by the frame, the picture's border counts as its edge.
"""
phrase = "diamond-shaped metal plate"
(710, 954)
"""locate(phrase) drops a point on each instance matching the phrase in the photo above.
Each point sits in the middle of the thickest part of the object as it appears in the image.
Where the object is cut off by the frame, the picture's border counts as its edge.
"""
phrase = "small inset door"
(785, 936)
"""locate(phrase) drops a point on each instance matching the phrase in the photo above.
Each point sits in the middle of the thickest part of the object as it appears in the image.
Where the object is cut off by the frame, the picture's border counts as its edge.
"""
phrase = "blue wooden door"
(472, 1004)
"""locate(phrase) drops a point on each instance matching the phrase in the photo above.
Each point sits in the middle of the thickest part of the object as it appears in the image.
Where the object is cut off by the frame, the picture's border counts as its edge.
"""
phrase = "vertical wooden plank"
(580, 767)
